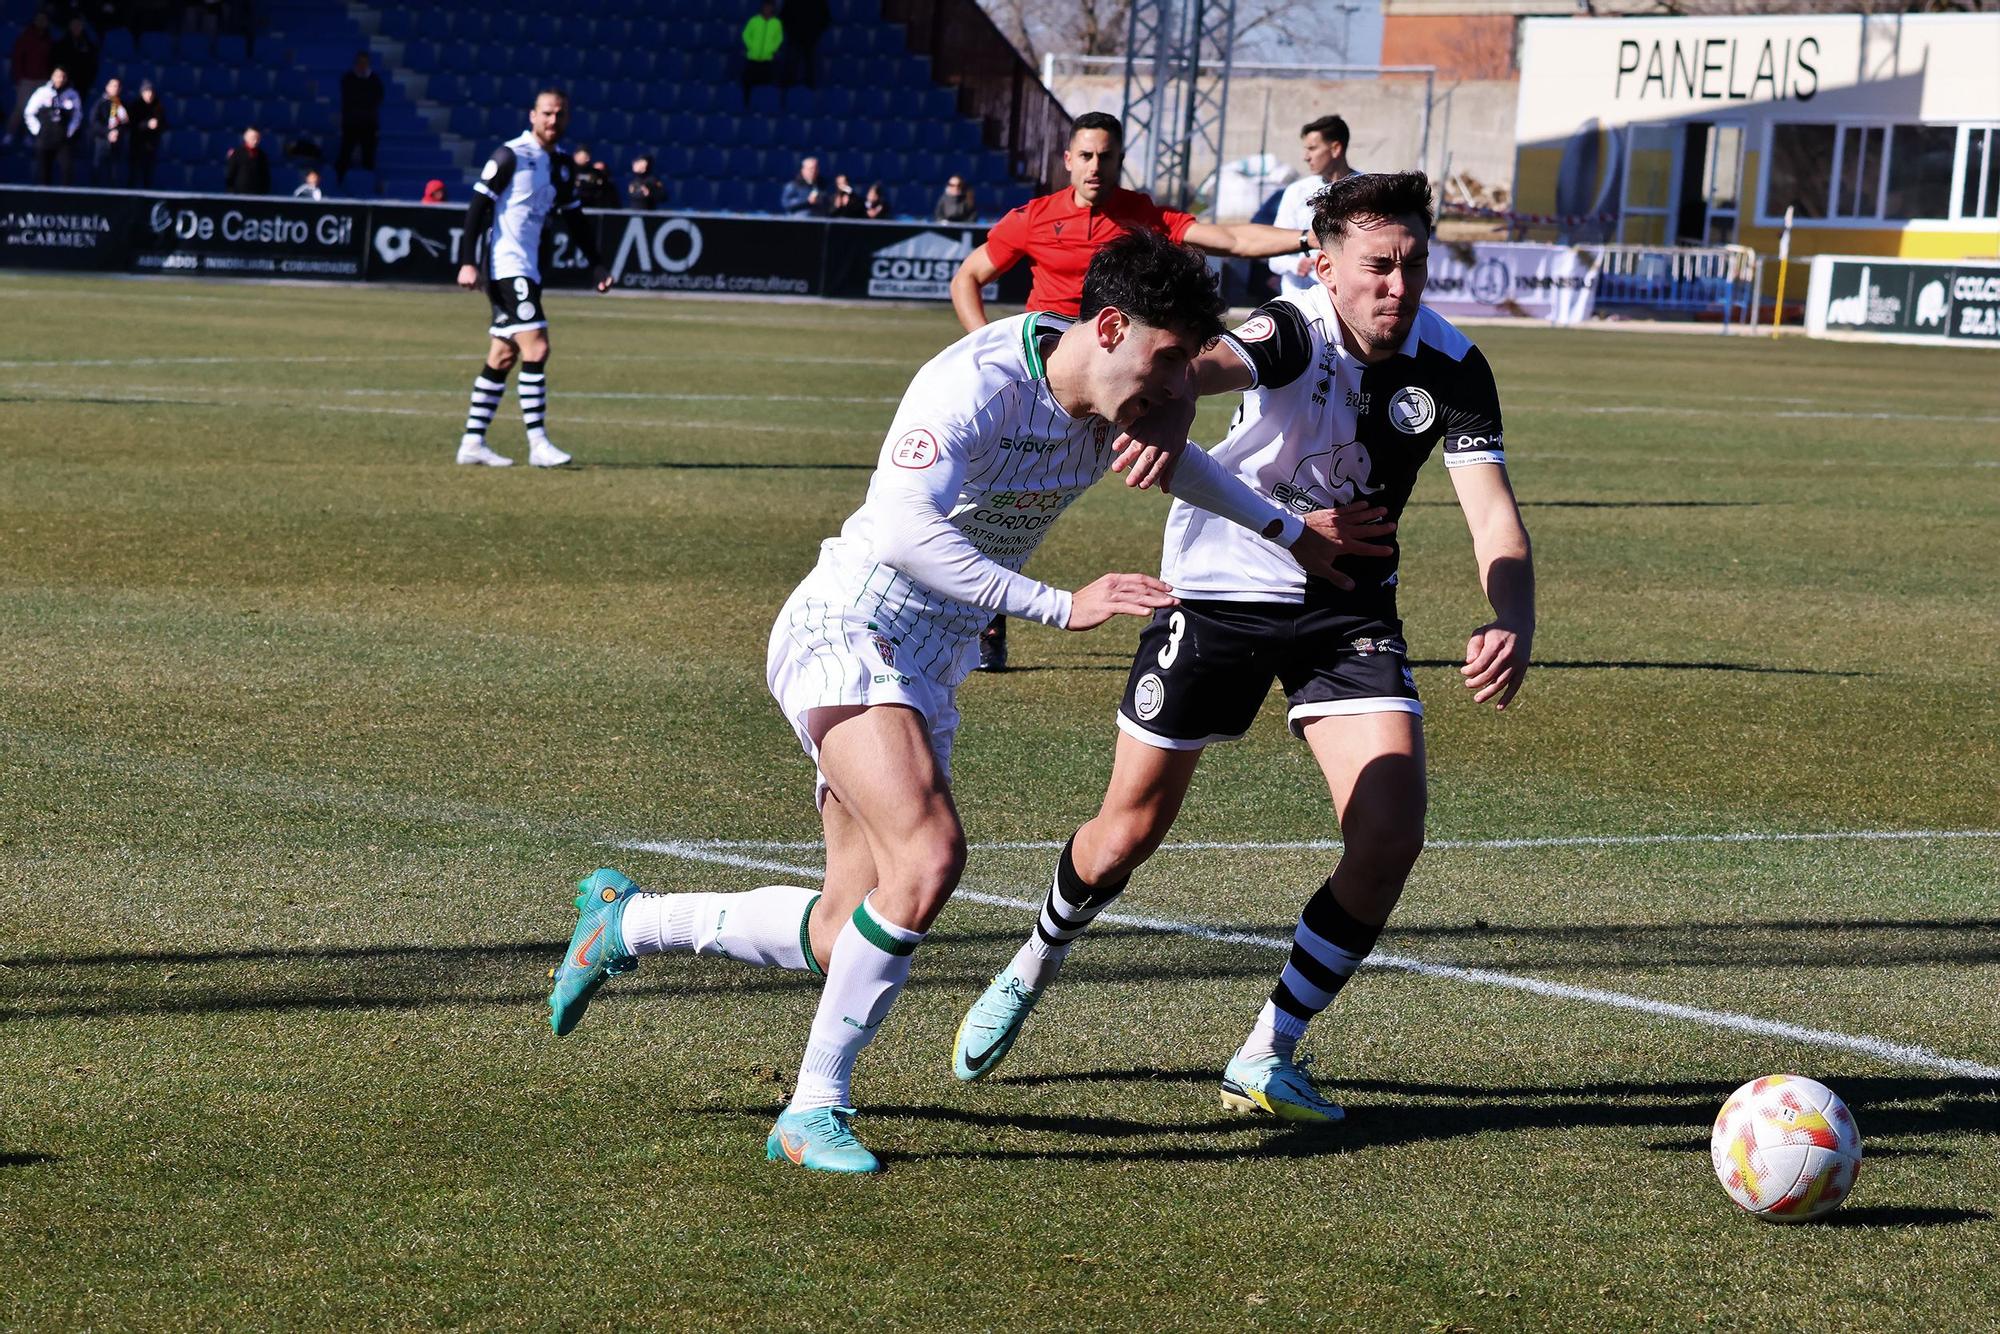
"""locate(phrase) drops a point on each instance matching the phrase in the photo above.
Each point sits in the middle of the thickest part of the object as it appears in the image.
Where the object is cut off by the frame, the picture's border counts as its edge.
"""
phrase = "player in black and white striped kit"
(521, 186)
(1349, 386)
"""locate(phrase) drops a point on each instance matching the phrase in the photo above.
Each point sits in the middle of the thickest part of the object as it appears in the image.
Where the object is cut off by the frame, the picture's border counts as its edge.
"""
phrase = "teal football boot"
(1274, 1087)
(820, 1139)
(596, 948)
(989, 1028)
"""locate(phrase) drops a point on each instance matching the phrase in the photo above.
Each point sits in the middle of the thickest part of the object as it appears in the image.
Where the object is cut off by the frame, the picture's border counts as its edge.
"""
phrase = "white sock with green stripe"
(766, 926)
(870, 963)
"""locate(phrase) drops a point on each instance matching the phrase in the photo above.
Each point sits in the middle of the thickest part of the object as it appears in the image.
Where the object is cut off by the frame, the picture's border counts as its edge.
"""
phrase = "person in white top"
(53, 115)
(1349, 387)
(995, 438)
(1323, 145)
(520, 189)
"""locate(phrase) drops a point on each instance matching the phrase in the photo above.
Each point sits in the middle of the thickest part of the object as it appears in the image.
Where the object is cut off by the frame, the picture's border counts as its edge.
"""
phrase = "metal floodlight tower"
(1177, 62)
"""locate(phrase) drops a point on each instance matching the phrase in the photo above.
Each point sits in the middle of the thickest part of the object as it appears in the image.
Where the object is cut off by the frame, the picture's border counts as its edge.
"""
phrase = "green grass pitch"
(305, 735)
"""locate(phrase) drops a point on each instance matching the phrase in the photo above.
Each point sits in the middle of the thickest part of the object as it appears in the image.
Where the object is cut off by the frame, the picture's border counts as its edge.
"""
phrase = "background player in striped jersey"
(995, 438)
(521, 186)
(1058, 233)
(1349, 386)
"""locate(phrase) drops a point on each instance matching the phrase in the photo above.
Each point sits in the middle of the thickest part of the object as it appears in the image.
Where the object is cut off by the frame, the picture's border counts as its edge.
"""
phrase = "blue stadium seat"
(891, 167)
(862, 134)
(925, 165)
(445, 87)
(435, 25)
(710, 160)
(399, 22)
(256, 80)
(765, 100)
(966, 136)
(746, 163)
(801, 101)
(836, 101)
(671, 67)
(158, 47)
(118, 44)
(215, 80)
(899, 135)
(232, 48)
(694, 195)
(673, 161)
(468, 121)
(421, 54)
(737, 196)
(940, 104)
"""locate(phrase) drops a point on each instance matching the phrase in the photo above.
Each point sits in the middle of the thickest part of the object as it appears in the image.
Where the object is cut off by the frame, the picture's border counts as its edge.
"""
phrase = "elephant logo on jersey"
(1412, 410)
(1324, 480)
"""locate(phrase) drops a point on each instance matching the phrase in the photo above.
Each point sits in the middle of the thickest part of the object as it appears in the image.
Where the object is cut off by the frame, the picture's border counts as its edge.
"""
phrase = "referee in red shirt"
(1058, 234)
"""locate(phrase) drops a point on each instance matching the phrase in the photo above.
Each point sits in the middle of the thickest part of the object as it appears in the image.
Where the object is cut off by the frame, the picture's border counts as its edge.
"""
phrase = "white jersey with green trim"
(979, 462)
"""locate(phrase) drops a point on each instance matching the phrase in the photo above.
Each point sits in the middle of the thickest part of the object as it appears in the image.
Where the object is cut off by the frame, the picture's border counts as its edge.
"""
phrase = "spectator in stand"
(805, 22)
(876, 205)
(763, 35)
(805, 196)
(79, 52)
(310, 189)
(644, 191)
(956, 203)
(361, 95)
(248, 171)
(111, 137)
(592, 181)
(53, 115)
(34, 57)
(149, 122)
(433, 192)
(846, 202)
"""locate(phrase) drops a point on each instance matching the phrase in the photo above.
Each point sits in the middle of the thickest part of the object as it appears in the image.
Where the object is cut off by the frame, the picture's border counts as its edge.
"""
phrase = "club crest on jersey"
(885, 648)
(1256, 329)
(1149, 697)
(917, 449)
(1412, 410)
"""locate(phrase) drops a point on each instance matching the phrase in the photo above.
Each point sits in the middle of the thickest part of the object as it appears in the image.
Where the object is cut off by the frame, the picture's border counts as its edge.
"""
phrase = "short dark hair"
(1330, 128)
(1156, 282)
(1377, 195)
(1098, 120)
(541, 93)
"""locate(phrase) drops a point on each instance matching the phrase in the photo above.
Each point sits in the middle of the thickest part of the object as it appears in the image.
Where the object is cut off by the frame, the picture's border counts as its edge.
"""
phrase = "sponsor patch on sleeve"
(492, 170)
(1255, 329)
(917, 449)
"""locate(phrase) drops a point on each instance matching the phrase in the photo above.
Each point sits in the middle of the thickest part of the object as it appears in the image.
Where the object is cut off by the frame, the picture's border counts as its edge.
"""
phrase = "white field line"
(1433, 845)
(1894, 1053)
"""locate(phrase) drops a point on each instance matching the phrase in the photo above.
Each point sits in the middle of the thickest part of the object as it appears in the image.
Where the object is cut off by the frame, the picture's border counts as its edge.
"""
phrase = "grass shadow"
(26, 1159)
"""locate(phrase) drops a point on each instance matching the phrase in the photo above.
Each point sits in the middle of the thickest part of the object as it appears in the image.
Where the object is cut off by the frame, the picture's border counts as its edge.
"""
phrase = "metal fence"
(994, 82)
(1710, 280)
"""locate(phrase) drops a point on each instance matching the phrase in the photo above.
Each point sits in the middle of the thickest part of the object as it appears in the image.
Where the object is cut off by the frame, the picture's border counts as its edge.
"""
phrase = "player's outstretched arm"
(1248, 240)
(1496, 656)
(1117, 595)
(977, 270)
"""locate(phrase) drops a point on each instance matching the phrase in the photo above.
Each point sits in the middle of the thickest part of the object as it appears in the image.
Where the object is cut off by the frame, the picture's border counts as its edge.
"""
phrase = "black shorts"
(517, 306)
(1203, 669)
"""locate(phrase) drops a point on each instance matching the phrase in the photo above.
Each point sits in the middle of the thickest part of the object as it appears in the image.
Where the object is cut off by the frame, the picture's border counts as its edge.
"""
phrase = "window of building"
(1888, 173)
(1801, 171)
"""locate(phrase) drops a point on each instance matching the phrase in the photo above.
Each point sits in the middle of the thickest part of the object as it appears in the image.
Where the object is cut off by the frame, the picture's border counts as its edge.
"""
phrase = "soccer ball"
(1786, 1148)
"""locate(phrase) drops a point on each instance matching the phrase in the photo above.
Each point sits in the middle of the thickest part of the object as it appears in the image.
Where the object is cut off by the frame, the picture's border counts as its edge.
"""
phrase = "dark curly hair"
(1155, 282)
(1375, 196)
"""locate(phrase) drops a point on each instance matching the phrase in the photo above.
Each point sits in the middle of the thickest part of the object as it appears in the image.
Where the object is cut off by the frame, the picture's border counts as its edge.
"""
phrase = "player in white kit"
(996, 436)
(1349, 387)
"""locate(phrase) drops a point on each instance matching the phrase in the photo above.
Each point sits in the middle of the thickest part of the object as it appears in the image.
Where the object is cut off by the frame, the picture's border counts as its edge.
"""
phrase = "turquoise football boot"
(820, 1139)
(1274, 1087)
(596, 948)
(989, 1028)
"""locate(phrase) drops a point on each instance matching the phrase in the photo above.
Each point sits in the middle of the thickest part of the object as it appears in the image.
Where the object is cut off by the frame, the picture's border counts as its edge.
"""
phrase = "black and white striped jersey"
(525, 184)
(1319, 427)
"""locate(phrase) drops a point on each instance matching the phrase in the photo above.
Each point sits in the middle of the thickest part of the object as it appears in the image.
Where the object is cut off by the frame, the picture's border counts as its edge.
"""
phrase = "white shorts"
(824, 652)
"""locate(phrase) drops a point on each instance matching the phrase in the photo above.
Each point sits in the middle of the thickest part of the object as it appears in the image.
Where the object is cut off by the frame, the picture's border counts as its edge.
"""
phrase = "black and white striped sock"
(1067, 912)
(533, 387)
(1328, 945)
(487, 391)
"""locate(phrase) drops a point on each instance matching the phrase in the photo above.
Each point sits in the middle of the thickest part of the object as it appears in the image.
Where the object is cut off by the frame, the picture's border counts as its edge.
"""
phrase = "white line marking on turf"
(1436, 844)
(1895, 1053)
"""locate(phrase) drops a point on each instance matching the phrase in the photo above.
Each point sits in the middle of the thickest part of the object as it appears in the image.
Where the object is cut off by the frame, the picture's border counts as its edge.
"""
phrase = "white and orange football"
(1786, 1148)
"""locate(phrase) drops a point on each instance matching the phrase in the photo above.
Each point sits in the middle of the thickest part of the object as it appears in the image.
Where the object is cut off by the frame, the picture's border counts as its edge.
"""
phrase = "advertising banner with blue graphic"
(1557, 283)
